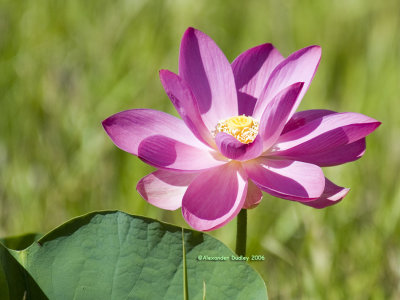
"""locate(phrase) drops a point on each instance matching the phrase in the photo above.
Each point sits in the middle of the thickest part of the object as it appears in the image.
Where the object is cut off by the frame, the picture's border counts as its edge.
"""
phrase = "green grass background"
(67, 65)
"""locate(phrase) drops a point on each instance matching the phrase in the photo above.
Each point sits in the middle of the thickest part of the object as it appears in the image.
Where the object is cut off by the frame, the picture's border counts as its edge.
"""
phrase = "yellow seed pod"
(239, 122)
(242, 128)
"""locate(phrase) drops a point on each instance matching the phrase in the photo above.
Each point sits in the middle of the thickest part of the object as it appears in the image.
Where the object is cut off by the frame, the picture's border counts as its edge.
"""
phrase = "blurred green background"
(67, 65)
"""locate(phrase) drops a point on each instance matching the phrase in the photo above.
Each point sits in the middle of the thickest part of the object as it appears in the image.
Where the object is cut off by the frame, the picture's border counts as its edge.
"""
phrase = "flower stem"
(185, 279)
(241, 232)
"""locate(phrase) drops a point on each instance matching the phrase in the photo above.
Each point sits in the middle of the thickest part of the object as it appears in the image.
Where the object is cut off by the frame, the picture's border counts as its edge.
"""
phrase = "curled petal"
(215, 197)
(254, 196)
(332, 194)
(252, 69)
(208, 73)
(287, 179)
(233, 149)
(298, 67)
(165, 189)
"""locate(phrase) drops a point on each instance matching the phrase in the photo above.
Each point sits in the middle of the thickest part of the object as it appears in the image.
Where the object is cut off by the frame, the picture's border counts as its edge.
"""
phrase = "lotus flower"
(238, 134)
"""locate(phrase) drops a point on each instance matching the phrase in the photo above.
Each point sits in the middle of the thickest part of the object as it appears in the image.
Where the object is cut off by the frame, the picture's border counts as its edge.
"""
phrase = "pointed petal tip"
(340, 195)
(329, 201)
(298, 85)
(140, 188)
(316, 48)
(373, 123)
(190, 31)
(264, 46)
(106, 123)
(376, 125)
(333, 194)
(163, 73)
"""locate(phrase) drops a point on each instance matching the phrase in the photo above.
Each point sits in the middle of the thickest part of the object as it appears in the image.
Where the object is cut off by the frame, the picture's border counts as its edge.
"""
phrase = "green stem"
(241, 233)
(185, 279)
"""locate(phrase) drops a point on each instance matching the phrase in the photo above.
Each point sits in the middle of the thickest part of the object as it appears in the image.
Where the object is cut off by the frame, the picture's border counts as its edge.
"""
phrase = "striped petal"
(209, 75)
(215, 197)
(332, 139)
(165, 189)
(161, 140)
(287, 179)
(298, 67)
(186, 105)
(252, 69)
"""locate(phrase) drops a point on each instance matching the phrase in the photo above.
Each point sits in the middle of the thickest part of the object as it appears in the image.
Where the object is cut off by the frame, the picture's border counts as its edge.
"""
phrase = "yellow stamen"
(243, 128)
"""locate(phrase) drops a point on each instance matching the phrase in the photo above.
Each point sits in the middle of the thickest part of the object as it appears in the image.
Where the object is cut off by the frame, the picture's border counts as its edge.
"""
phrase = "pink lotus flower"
(239, 134)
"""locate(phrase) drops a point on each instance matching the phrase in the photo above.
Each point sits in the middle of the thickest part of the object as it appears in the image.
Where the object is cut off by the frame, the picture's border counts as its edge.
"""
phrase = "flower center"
(242, 128)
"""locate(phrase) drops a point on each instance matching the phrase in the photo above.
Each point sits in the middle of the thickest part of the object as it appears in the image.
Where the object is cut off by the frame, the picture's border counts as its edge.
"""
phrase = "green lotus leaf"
(113, 255)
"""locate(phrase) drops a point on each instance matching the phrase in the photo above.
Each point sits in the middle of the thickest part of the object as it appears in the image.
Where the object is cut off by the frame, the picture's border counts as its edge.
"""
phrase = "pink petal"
(292, 180)
(215, 197)
(298, 67)
(165, 189)
(166, 153)
(252, 69)
(333, 156)
(254, 196)
(277, 113)
(233, 149)
(186, 105)
(127, 129)
(208, 73)
(332, 194)
(301, 118)
(325, 134)
(161, 139)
